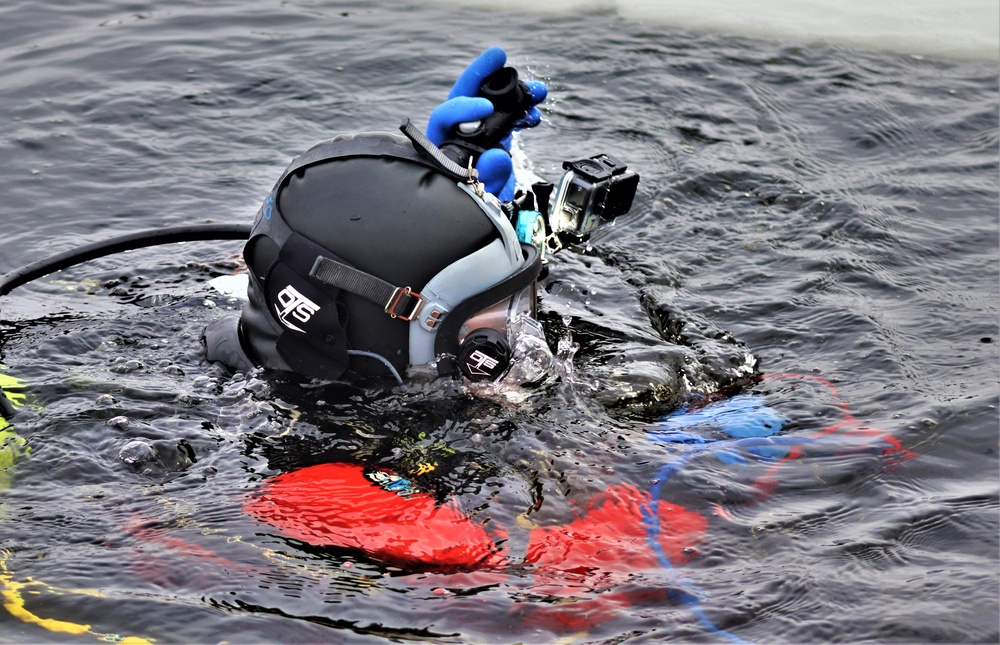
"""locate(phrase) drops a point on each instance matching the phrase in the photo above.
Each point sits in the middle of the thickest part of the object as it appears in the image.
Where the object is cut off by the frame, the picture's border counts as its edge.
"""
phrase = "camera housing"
(591, 194)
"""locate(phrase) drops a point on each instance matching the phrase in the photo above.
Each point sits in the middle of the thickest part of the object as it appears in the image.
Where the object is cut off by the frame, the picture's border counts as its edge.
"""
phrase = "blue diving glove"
(465, 108)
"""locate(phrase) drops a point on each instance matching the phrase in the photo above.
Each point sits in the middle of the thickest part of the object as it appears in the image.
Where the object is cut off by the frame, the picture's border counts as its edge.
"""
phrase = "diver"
(416, 256)
(384, 255)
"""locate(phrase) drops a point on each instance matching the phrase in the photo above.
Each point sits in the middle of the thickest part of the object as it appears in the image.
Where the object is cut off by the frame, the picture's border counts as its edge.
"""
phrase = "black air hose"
(128, 242)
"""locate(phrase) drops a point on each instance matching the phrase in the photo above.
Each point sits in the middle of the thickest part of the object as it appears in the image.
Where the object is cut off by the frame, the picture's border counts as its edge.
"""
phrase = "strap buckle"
(401, 298)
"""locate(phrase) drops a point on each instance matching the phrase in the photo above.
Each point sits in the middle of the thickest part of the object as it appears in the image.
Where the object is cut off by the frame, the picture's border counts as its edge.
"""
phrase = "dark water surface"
(834, 213)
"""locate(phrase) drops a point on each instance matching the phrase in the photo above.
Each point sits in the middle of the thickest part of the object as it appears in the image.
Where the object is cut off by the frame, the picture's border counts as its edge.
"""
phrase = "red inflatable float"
(343, 505)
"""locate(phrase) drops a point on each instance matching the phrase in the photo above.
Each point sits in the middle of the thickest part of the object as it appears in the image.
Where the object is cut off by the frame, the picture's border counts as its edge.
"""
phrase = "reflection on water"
(772, 390)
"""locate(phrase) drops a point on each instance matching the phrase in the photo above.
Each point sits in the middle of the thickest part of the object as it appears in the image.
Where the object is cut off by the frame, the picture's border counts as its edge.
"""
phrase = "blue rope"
(753, 426)
(651, 518)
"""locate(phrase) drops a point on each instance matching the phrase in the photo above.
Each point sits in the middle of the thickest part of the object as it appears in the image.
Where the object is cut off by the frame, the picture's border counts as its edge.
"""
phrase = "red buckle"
(397, 297)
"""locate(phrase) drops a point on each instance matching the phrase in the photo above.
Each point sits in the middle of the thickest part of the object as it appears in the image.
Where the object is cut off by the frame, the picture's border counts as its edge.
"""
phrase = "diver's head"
(378, 255)
(369, 258)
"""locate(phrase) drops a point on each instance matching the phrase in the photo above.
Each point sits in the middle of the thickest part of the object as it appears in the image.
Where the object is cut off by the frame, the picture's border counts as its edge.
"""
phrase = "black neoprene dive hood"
(370, 257)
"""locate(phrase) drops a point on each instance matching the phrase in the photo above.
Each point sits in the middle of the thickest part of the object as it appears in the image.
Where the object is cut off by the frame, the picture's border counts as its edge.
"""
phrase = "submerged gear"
(12, 445)
(346, 505)
(6, 407)
(369, 257)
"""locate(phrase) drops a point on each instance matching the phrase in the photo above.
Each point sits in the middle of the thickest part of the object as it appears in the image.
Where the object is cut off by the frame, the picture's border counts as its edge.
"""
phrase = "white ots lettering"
(480, 363)
(296, 305)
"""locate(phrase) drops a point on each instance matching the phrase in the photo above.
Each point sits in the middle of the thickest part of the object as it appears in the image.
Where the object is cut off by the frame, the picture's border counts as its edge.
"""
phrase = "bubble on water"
(127, 366)
(137, 452)
(190, 400)
(202, 383)
(118, 422)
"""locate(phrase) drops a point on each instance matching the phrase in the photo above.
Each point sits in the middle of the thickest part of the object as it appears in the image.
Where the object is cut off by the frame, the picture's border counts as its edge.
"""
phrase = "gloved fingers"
(490, 61)
(534, 116)
(464, 105)
(447, 115)
(538, 91)
(531, 118)
(461, 109)
(496, 172)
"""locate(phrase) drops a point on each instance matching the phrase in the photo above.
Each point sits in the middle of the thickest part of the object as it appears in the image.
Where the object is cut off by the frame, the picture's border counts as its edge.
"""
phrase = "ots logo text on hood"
(291, 302)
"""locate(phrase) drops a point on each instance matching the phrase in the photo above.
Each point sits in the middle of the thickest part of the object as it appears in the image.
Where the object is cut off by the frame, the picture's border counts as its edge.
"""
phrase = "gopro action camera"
(593, 192)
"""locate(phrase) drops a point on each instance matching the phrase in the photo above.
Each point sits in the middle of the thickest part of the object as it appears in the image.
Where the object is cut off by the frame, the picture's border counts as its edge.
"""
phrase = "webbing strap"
(424, 146)
(398, 302)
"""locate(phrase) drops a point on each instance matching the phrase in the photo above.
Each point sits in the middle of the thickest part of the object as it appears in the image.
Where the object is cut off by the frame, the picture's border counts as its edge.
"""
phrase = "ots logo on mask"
(481, 364)
(485, 354)
(294, 304)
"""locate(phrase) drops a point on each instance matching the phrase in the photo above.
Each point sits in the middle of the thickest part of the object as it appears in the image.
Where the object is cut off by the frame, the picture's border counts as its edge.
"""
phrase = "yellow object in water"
(13, 591)
(12, 386)
(11, 444)
(14, 603)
